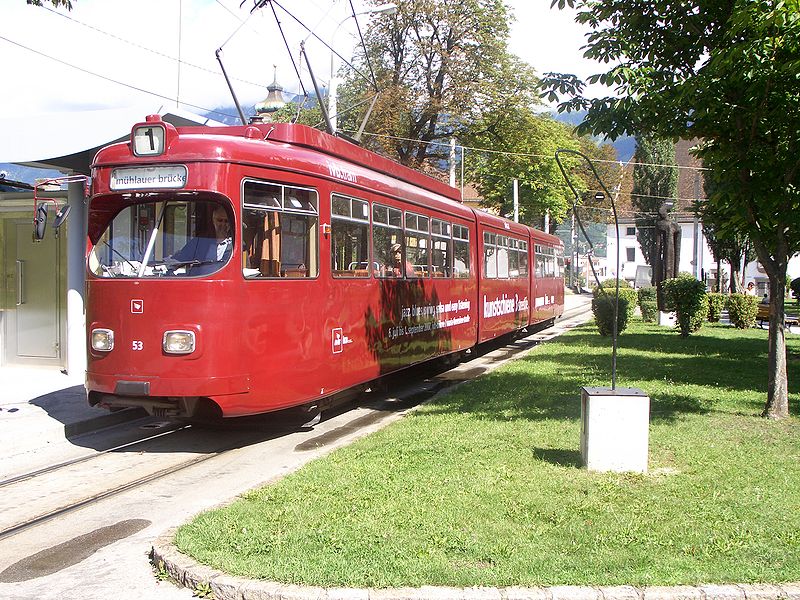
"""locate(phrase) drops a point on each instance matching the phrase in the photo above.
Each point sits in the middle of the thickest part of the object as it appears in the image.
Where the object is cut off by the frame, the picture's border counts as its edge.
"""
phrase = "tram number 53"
(137, 345)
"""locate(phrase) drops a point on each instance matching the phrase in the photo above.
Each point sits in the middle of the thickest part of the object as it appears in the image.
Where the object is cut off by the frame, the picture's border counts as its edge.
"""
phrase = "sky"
(119, 53)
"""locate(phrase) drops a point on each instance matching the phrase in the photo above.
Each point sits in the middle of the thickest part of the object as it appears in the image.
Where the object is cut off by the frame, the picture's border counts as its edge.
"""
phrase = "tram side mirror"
(40, 222)
(61, 216)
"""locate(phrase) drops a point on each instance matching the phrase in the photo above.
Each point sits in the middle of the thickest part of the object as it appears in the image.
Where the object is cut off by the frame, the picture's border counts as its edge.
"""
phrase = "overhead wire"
(272, 3)
(111, 80)
(155, 52)
(316, 37)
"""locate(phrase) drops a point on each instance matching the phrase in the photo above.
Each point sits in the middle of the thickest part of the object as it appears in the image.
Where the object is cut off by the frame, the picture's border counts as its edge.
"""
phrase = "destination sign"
(160, 177)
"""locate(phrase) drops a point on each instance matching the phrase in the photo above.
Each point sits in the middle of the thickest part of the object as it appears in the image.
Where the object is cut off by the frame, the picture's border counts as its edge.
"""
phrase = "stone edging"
(188, 573)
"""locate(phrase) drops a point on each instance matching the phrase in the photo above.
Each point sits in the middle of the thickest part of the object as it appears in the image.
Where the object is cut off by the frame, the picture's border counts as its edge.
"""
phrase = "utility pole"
(516, 201)
(452, 162)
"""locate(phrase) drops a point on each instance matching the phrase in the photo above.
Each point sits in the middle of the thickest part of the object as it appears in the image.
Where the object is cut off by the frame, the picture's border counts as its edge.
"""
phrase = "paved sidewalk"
(40, 405)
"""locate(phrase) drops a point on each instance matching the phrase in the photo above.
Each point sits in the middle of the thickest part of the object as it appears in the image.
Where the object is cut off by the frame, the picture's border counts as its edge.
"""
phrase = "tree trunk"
(777, 406)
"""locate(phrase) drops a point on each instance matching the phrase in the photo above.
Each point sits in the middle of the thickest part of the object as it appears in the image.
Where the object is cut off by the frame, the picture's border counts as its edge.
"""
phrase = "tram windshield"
(167, 238)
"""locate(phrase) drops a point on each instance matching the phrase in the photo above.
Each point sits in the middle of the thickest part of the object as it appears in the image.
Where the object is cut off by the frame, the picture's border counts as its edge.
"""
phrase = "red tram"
(241, 270)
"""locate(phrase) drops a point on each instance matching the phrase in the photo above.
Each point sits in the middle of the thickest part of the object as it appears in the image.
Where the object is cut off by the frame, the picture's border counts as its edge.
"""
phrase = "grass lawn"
(483, 486)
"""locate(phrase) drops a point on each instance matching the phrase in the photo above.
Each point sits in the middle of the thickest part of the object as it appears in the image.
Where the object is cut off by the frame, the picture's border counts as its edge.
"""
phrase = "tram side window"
(489, 255)
(539, 261)
(441, 248)
(417, 236)
(279, 231)
(349, 237)
(523, 259)
(502, 257)
(513, 257)
(460, 252)
(387, 240)
(546, 264)
(559, 262)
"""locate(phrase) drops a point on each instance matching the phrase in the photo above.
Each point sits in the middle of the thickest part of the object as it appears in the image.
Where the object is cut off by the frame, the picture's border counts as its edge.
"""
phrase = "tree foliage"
(727, 73)
(653, 184)
(731, 246)
(520, 145)
(439, 65)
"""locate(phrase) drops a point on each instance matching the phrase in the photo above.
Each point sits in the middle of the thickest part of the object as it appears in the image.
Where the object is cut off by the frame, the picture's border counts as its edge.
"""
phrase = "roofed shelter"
(42, 316)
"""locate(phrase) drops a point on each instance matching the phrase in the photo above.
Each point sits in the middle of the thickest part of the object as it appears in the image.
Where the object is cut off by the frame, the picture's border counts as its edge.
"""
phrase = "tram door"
(34, 281)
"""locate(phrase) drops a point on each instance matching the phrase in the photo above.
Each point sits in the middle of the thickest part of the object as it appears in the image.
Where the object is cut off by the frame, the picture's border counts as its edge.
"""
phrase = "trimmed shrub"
(625, 291)
(603, 309)
(742, 310)
(648, 304)
(794, 286)
(716, 304)
(687, 297)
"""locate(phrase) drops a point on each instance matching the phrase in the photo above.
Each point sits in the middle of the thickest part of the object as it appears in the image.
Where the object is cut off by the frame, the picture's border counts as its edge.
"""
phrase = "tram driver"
(203, 254)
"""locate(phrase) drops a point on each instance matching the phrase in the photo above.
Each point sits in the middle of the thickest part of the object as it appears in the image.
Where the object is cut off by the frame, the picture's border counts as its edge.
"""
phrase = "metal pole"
(452, 162)
(572, 237)
(614, 331)
(332, 85)
(516, 201)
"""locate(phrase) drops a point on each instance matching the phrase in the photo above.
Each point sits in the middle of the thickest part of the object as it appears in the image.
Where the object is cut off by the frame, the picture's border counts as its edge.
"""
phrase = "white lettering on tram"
(504, 306)
(343, 174)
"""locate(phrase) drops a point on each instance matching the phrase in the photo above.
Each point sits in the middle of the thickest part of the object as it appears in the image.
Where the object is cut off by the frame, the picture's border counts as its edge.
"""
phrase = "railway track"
(58, 489)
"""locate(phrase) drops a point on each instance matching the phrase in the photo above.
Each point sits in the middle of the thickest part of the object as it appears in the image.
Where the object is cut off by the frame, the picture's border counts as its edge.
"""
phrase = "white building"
(695, 258)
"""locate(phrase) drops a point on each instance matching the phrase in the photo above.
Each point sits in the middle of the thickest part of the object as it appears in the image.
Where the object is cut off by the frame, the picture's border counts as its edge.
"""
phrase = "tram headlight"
(102, 340)
(178, 342)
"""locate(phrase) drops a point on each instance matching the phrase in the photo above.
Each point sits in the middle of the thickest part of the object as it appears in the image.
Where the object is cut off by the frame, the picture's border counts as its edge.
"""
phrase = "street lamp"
(386, 9)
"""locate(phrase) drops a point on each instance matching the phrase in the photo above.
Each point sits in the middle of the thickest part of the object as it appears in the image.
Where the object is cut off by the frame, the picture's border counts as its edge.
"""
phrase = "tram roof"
(308, 137)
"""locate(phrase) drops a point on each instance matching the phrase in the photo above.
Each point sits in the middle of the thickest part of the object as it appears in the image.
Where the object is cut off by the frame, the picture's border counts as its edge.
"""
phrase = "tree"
(292, 113)
(439, 65)
(727, 73)
(522, 145)
(735, 248)
(653, 186)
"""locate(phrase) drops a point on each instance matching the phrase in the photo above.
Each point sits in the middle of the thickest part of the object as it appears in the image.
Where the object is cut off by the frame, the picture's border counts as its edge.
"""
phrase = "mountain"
(13, 172)
(625, 145)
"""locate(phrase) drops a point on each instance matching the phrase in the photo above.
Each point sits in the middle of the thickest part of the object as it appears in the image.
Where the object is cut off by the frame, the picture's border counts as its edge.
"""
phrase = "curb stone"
(188, 573)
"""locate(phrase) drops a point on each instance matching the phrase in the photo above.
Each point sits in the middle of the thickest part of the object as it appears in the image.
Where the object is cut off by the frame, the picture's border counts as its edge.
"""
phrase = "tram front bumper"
(165, 397)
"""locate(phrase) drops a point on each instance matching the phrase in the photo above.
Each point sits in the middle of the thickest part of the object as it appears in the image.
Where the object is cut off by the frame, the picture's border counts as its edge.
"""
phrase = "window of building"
(279, 231)
(350, 237)
(630, 254)
(630, 231)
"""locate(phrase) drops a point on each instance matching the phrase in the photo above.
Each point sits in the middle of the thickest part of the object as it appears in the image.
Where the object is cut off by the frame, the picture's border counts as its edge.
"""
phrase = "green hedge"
(648, 304)
(603, 309)
(625, 291)
(687, 297)
(742, 310)
(716, 304)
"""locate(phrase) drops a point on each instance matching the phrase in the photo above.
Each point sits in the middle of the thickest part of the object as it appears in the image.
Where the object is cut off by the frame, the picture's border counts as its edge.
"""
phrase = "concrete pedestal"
(667, 319)
(615, 429)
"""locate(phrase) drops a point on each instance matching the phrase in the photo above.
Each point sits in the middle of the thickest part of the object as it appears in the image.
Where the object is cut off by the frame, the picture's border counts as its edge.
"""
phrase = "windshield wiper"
(122, 256)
